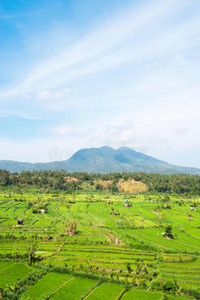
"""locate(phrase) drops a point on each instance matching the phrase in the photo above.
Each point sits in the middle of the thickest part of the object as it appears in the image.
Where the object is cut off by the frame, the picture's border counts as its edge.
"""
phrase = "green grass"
(106, 291)
(46, 285)
(141, 295)
(93, 248)
(12, 273)
(75, 289)
(5, 264)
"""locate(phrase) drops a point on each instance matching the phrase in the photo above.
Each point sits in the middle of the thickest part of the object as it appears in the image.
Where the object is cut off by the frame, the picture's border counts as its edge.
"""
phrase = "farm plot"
(12, 273)
(154, 236)
(106, 291)
(5, 264)
(92, 247)
(141, 295)
(100, 258)
(193, 231)
(75, 289)
(187, 273)
(45, 286)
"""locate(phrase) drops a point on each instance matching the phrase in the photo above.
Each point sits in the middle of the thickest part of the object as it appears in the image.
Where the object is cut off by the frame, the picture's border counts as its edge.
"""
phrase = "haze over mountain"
(102, 160)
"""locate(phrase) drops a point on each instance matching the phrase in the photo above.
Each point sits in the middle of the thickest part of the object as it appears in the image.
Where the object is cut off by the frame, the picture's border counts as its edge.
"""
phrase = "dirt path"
(7, 267)
(91, 292)
(112, 238)
(63, 284)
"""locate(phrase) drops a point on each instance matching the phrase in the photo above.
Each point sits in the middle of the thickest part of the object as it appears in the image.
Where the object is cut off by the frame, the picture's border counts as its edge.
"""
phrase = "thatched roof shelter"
(20, 221)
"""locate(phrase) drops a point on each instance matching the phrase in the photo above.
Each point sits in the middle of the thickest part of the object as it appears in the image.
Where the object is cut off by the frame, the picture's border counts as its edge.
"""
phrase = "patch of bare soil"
(68, 179)
(131, 186)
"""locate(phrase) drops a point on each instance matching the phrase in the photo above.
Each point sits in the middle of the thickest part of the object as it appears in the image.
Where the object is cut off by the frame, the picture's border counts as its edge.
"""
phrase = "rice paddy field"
(99, 246)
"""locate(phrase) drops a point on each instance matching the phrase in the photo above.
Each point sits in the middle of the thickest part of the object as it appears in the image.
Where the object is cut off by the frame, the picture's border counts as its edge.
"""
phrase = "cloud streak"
(133, 77)
(130, 38)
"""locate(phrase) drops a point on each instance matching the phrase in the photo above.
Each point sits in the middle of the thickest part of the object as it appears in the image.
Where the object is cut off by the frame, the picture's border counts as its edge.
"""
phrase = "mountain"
(103, 160)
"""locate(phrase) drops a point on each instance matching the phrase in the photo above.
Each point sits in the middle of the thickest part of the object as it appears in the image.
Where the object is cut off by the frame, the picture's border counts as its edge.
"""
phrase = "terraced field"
(47, 285)
(11, 273)
(124, 245)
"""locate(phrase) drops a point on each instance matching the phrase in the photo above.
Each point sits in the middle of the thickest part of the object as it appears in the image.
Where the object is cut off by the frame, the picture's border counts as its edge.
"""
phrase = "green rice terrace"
(90, 244)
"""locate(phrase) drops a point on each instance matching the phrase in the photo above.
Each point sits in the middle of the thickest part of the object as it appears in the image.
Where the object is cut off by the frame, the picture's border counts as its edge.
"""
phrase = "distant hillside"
(103, 160)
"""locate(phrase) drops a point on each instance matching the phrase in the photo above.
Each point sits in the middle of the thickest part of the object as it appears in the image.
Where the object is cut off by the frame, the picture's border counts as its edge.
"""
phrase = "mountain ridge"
(102, 160)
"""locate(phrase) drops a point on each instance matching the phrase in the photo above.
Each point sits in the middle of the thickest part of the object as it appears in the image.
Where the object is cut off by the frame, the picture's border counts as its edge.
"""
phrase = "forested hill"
(54, 181)
(103, 160)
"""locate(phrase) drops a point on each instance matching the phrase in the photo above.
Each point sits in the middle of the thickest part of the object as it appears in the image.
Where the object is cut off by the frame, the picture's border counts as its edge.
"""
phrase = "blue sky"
(77, 74)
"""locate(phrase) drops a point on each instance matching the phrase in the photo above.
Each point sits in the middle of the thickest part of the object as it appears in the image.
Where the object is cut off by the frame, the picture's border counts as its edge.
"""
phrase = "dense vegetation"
(97, 240)
(60, 180)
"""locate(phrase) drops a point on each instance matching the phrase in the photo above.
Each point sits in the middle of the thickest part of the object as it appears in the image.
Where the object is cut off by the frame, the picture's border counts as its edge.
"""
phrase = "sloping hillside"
(103, 160)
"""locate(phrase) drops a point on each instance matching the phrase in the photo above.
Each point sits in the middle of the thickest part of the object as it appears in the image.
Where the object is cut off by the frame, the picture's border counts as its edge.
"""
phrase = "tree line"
(61, 180)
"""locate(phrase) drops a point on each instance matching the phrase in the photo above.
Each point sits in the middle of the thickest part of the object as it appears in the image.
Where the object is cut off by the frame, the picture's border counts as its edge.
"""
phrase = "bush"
(192, 292)
(62, 270)
(156, 285)
(170, 286)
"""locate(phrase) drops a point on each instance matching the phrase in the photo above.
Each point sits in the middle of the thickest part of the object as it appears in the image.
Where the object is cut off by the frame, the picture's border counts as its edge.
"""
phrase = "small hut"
(115, 212)
(20, 221)
(42, 211)
(127, 204)
(168, 236)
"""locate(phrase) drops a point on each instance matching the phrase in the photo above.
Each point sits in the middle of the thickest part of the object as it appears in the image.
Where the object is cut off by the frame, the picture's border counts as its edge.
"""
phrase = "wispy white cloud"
(5, 113)
(64, 130)
(181, 131)
(133, 37)
(132, 79)
(49, 95)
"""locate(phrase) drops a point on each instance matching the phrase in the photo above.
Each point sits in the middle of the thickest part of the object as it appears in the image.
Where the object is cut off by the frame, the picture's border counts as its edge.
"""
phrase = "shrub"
(192, 292)
(62, 270)
(156, 285)
(170, 286)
